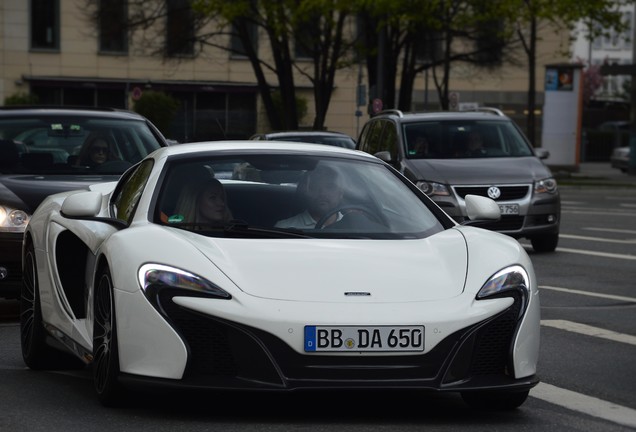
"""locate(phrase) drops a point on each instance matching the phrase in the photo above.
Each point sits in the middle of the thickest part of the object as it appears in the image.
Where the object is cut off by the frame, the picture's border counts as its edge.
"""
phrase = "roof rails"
(491, 110)
(392, 111)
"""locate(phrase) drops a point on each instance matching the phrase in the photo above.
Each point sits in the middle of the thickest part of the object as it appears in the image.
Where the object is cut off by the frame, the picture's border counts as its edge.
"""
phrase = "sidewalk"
(596, 174)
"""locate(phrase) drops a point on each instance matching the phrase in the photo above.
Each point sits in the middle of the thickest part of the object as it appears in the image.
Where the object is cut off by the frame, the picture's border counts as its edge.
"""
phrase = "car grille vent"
(507, 192)
(506, 223)
(492, 347)
(207, 340)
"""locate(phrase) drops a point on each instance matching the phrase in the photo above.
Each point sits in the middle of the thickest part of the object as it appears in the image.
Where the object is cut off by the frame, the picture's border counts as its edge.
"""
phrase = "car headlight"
(548, 185)
(432, 188)
(13, 220)
(509, 282)
(154, 278)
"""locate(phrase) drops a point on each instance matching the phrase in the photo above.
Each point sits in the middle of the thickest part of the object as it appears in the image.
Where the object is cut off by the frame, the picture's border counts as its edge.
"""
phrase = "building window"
(236, 44)
(179, 29)
(45, 24)
(304, 38)
(112, 26)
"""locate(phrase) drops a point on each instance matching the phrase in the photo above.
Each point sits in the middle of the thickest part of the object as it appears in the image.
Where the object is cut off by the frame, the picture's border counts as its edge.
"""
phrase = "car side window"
(374, 141)
(129, 190)
(389, 140)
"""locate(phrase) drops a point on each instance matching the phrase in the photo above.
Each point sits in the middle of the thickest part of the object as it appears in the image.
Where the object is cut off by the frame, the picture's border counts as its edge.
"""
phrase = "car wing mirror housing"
(541, 153)
(384, 155)
(82, 205)
(481, 208)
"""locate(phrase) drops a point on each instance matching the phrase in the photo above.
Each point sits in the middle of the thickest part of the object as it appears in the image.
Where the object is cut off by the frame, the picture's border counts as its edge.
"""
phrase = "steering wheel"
(345, 210)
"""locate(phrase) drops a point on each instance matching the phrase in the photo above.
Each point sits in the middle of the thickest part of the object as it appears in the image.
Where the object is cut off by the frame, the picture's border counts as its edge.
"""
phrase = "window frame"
(48, 12)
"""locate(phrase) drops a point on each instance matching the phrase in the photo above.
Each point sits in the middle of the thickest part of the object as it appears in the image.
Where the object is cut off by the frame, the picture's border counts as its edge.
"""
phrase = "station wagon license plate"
(509, 209)
(352, 338)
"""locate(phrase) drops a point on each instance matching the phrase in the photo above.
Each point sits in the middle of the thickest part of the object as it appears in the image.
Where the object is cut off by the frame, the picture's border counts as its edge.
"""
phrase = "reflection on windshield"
(291, 195)
(72, 146)
(464, 139)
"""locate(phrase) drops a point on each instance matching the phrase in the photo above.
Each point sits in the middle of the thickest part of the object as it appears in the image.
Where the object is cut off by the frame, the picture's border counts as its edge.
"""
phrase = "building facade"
(50, 49)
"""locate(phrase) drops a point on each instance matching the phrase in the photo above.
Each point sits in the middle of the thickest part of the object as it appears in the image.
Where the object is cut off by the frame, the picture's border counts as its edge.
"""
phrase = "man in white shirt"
(324, 193)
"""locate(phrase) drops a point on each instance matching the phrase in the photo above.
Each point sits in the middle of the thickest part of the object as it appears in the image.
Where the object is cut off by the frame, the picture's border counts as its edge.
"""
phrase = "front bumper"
(229, 355)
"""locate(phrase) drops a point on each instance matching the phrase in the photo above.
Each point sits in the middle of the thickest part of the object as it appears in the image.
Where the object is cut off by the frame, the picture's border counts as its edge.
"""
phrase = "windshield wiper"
(240, 228)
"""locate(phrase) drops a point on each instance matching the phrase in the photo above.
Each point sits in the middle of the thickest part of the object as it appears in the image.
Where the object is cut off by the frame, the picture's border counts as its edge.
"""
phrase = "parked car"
(384, 290)
(620, 158)
(502, 165)
(41, 152)
(337, 139)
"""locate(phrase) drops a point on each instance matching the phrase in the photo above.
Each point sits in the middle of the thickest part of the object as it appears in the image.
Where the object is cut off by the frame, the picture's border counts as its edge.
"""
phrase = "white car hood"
(323, 270)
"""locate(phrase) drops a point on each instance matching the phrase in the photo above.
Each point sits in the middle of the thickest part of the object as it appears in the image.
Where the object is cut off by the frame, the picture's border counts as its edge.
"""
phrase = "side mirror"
(82, 204)
(481, 208)
(541, 153)
(384, 155)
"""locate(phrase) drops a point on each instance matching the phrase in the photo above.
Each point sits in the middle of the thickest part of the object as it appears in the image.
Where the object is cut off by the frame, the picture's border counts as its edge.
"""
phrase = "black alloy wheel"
(105, 352)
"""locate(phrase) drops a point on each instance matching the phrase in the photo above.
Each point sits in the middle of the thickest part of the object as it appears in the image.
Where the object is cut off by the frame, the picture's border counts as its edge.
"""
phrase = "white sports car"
(317, 267)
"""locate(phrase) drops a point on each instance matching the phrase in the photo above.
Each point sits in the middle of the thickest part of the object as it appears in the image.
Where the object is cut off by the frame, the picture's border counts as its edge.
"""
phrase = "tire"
(105, 365)
(545, 242)
(495, 401)
(36, 353)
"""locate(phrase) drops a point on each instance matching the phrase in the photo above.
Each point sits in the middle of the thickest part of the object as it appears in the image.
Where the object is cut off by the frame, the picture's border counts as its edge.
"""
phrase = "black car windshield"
(293, 197)
(464, 139)
(73, 145)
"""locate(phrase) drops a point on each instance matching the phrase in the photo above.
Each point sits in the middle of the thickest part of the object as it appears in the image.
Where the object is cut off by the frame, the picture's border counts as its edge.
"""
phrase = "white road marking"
(573, 203)
(599, 239)
(576, 401)
(590, 294)
(590, 331)
(585, 404)
(600, 254)
(612, 230)
(599, 212)
(621, 198)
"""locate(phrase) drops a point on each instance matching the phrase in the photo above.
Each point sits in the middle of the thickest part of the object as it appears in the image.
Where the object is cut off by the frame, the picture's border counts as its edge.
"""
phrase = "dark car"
(451, 154)
(337, 139)
(45, 150)
(620, 158)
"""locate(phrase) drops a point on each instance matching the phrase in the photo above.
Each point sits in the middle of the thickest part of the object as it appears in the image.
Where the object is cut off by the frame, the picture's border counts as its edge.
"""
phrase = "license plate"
(352, 338)
(509, 209)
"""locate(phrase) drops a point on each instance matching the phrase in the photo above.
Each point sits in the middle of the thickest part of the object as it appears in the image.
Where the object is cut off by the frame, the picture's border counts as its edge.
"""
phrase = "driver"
(324, 194)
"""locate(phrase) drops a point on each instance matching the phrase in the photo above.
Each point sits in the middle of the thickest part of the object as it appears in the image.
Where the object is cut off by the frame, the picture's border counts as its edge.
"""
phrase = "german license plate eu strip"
(353, 338)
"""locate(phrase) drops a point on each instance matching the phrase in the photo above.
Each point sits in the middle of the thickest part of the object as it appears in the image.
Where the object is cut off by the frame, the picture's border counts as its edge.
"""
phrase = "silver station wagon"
(451, 154)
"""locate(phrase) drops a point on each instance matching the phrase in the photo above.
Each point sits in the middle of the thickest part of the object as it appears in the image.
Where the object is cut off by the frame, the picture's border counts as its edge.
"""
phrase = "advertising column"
(562, 115)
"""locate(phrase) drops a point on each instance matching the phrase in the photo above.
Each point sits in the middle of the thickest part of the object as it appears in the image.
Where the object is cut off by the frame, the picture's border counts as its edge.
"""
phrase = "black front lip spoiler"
(482, 383)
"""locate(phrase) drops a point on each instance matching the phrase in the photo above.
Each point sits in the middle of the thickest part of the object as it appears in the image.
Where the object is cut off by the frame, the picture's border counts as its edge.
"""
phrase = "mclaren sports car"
(277, 266)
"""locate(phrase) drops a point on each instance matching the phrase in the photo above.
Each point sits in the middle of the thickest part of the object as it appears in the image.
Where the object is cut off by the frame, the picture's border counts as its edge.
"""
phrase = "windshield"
(294, 196)
(464, 139)
(71, 145)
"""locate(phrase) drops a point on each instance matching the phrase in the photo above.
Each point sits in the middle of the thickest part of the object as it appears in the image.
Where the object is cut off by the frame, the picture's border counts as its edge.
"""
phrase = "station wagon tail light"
(155, 278)
(548, 185)
(510, 282)
(12, 220)
(432, 188)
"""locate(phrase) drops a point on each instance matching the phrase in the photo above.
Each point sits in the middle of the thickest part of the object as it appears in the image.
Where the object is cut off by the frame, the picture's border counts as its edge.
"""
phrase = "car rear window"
(60, 145)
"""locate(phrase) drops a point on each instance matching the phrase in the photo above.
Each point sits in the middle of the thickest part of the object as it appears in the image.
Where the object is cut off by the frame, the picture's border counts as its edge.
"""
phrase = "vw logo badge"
(494, 192)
